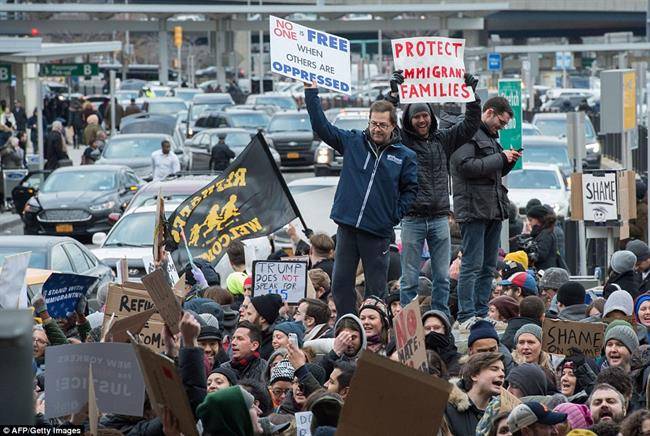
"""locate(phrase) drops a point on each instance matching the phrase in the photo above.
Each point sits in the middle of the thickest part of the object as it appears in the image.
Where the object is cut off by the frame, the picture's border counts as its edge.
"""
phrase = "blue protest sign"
(63, 291)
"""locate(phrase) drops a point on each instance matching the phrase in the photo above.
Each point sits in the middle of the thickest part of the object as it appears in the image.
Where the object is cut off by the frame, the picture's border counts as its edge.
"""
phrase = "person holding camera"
(542, 223)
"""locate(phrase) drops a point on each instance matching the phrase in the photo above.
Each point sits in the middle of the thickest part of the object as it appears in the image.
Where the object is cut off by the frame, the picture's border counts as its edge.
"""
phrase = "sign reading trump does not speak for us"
(433, 70)
(288, 279)
(310, 55)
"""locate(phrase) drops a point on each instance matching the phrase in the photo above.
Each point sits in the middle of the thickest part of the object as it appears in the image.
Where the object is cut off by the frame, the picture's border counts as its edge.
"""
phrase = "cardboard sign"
(287, 279)
(13, 289)
(119, 386)
(310, 55)
(559, 336)
(165, 388)
(134, 324)
(93, 410)
(122, 268)
(409, 335)
(507, 401)
(63, 291)
(303, 423)
(167, 265)
(382, 389)
(433, 69)
(599, 198)
(128, 299)
(164, 298)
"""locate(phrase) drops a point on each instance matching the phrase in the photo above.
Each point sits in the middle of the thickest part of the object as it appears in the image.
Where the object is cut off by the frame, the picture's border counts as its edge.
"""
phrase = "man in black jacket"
(480, 205)
(428, 216)
(221, 155)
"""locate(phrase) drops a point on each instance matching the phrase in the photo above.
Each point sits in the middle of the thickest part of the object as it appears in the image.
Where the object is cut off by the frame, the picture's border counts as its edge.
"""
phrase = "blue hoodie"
(375, 190)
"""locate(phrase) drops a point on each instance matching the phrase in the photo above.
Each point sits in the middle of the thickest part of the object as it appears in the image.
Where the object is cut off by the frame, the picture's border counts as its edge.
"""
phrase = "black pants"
(351, 245)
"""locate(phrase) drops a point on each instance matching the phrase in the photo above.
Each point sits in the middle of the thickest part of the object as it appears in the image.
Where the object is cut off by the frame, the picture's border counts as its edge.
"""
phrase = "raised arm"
(333, 136)
(463, 131)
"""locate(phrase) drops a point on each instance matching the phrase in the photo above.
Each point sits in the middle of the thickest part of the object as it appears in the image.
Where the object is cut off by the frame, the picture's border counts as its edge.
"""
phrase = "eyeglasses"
(40, 341)
(279, 392)
(502, 122)
(381, 126)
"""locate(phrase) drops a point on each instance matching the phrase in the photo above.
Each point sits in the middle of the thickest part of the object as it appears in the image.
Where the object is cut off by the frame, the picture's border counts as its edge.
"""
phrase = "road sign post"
(68, 70)
(510, 137)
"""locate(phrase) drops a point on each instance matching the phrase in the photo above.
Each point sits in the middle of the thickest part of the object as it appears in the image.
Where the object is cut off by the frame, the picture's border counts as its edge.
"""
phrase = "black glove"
(396, 79)
(470, 81)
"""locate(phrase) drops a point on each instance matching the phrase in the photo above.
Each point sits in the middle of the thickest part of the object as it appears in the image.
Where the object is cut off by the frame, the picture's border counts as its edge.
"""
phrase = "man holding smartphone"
(480, 205)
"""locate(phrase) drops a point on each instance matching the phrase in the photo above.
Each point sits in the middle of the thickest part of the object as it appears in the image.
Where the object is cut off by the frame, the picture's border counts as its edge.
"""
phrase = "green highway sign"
(5, 73)
(68, 70)
(510, 137)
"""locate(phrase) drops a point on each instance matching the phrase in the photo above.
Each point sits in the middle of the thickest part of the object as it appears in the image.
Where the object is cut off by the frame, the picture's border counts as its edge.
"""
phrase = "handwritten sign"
(287, 279)
(164, 298)
(409, 335)
(310, 55)
(599, 198)
(433, 70)
(303, 423)
(63, 291)
(560, 336)
(119, 386)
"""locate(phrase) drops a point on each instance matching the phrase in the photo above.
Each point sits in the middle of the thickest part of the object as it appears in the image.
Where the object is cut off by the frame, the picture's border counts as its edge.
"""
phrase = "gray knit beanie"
(533, 329)
(623, 261)
(624, 334)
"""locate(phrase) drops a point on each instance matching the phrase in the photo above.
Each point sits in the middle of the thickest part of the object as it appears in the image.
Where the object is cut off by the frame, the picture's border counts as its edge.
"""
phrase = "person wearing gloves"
(622, 273)
(427, 219)
(534, 419)
(377, 186)
(263, 311)
(230, 411)
(528, 347)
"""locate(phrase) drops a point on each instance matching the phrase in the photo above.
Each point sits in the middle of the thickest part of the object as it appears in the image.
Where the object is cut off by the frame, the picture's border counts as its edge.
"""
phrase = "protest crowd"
(513, 344)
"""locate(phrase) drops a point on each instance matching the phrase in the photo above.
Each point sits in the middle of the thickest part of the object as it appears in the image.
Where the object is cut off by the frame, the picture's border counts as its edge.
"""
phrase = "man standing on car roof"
(377, 186)
(428, 218)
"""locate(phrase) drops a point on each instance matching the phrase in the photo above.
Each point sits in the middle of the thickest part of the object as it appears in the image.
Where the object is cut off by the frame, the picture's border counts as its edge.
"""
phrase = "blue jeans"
(480, 246)
(436, 232)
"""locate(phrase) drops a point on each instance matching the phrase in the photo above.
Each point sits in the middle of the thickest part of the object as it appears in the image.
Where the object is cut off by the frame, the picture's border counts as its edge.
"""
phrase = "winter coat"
(514, 324)
(119, 113)
(576, 312)
(192, 371)
(546, 247)
(433, 153)
(639, 225)
(266, 347)
(639, 372)
(461, 415)
(376, 187)
(220, 156)
(476, 169)
(254, 370)
(628, 281)
(327, 360)
(54, 150)
(21, 119)
(12, 158)
(90, 133)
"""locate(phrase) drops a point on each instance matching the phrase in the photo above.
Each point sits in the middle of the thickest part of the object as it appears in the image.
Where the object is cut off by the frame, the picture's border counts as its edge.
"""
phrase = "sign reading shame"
(599, 197)
(560, 336)
(287, 279)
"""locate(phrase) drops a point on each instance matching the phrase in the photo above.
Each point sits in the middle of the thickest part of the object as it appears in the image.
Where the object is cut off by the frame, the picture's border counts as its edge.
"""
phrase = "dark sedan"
(293, 138)
(77, 201)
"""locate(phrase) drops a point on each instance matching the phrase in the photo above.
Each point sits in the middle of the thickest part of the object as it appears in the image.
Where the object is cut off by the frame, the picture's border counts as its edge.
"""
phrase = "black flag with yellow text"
(247, 200)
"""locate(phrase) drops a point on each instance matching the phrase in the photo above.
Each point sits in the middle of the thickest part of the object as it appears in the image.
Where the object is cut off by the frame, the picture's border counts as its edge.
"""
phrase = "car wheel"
(321, 172)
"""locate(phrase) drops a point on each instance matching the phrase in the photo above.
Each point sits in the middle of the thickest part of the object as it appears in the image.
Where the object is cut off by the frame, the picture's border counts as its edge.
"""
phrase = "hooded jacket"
(327, 361)
(433, 153)
(461, 415)
(376, 187)
(225, 412)
(477, 168)
(575, 312)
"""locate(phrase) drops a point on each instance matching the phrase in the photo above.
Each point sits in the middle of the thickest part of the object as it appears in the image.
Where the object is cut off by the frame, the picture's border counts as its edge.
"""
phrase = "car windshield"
(38, 258)
(250, 119)
(128, 148)
(166, 107)
(548, 155)
(200, 109)
(287, 103)
(80, 181)
(134, 230)
(533, 179)
(151, 201)
(557, 127)
(351, 123)
(284, 123)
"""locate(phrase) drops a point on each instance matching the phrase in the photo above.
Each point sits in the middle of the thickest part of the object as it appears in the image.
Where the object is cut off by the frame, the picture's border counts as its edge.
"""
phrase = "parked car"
(157, 123)
(200, 146)
(542, 181)
(293, 138)
(555, 124)
(328, 161)
(547, 150)
(77, 201)
(185, 94)
(202, 103)
(285, 102)
(173, 190)
(252, 121)
(60, 254)
(164, 105)
(134, 151)
(527, 129)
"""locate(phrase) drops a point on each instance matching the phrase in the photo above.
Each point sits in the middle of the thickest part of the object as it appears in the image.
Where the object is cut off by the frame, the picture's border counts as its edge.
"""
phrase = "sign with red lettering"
(310, 55)
(288, 279)
(409, 335)
(433, 70)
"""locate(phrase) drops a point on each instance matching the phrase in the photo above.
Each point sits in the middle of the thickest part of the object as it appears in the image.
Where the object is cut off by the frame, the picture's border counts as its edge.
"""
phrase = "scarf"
(240, 364)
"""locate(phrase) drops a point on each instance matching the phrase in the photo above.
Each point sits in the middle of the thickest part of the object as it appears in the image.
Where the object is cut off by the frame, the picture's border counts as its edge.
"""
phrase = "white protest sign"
(13, 289)
(287, 279)
(599, 199)
(119, 386)
(433, 69)
(310, 55)
(167, 264)
(303, 423)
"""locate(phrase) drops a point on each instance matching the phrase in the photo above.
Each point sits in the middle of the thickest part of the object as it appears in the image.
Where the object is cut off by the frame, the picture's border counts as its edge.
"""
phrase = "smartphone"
(519, 150)
(293, 338)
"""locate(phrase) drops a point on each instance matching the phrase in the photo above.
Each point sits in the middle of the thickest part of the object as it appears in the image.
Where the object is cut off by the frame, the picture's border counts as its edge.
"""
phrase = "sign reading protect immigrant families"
(433, 69)
(310, 55)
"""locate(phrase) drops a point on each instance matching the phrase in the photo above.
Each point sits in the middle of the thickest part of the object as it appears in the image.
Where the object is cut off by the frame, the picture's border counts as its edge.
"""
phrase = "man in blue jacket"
(378, 183)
